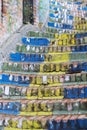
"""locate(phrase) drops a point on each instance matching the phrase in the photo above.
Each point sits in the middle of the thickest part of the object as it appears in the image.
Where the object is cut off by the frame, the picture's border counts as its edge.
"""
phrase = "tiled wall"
(12, 18)
(41, 8)
(12, 15)
(36, 12)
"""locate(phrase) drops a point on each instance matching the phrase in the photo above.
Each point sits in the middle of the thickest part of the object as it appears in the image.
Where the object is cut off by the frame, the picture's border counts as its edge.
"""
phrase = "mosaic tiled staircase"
(44, 84)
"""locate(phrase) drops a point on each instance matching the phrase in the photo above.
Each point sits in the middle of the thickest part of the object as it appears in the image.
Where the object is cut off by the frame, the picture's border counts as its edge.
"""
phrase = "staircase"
(44, 83)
